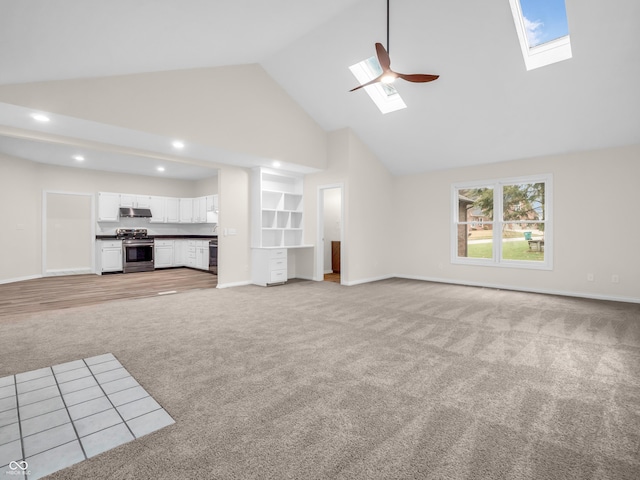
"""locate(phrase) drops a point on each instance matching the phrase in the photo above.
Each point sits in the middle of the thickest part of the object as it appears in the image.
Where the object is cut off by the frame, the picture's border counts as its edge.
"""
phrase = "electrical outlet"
(615, 278)
(590, 277)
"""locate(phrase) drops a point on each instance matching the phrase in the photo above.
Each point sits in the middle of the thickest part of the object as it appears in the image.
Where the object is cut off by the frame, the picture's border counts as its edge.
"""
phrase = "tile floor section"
(54, 417)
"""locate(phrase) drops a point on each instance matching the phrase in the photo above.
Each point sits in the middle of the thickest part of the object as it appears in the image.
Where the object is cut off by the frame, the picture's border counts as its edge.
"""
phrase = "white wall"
(368, 188)
(596, 229)
(234, 258)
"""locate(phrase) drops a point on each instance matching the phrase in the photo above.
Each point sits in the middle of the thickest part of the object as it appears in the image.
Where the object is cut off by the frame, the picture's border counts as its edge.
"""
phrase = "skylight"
(385, 96)
(543, 31)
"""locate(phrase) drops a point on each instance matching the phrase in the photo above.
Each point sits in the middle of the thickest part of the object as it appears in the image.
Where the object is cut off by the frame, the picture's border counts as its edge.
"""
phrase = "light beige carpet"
(395, 379)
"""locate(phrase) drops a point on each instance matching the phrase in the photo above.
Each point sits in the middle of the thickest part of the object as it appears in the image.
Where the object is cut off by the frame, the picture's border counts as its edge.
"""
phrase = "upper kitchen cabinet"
(135, 201)
(108, 207)
(277, 209)
(211, 202)
(163, 209)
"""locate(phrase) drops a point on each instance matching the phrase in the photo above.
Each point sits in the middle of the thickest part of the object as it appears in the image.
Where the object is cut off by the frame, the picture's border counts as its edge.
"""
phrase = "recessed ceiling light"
(40, 117)
(78, 158)
(276, 163)
(178, 144)
(160, 169)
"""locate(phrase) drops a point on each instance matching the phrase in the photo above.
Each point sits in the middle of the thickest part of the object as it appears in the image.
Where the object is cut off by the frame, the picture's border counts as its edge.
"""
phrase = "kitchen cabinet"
(180, 253)
(198, 254)
(164, 210)
(211, 203)
(135, 201)
(157, 206)
(110, 256)
(186, 210)
(172, 210)
(269, 266)
(108, 207)
(199, 210)
(164, 252)
(335, 256)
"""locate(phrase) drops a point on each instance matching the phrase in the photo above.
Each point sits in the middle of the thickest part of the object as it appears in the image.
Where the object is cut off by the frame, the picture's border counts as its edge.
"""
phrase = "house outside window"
(505, 223)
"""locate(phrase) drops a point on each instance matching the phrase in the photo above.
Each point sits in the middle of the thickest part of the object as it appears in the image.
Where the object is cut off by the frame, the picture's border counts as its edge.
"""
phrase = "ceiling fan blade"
(375, 80)
(418, 77)
(383, 57)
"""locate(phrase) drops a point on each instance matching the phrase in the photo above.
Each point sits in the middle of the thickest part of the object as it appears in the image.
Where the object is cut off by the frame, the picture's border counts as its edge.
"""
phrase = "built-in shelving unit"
(277, 225)
(277, 209)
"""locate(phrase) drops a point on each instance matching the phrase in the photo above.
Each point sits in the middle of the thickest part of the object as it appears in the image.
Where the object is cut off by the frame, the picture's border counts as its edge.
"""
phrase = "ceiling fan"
(388, 75)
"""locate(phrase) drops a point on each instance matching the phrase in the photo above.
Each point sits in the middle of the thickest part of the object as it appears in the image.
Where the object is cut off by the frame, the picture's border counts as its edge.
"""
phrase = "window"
(385, 96)
(543, 31)
(503, 223)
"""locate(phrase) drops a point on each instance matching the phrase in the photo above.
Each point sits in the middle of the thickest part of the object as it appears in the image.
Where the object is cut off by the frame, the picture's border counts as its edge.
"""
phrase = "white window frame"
(541, 55)
(498, 221)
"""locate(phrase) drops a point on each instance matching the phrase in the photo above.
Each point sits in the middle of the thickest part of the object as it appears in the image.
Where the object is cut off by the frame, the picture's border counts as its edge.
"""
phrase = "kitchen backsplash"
(109, 228)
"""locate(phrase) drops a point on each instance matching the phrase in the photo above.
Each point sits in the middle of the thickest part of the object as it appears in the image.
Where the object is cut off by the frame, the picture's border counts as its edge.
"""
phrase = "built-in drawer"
(277, 264)
(278, 253)
(163, 243)
(277, 276)
(192, 243)
(111, 243)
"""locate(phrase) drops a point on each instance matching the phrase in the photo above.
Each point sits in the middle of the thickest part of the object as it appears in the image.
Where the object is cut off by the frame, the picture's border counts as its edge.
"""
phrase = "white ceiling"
(484, 108)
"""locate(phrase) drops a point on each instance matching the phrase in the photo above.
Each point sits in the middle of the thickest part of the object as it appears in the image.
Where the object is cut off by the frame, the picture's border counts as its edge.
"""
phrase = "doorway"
(330, 260)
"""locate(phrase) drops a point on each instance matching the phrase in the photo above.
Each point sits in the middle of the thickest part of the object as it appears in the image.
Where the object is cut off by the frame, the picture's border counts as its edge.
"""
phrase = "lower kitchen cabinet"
(110, 256)
(269, 266)
(179, 253)
(164, 251)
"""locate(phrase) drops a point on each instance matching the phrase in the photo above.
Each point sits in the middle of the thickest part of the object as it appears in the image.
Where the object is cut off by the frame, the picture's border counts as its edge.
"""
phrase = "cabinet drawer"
(163, 243)
(192, 243)
(277, 264)
(111, 243)
(277, 276)
(278, 253)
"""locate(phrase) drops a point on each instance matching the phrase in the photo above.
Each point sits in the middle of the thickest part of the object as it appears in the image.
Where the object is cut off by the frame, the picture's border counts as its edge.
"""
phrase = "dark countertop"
(162, 237)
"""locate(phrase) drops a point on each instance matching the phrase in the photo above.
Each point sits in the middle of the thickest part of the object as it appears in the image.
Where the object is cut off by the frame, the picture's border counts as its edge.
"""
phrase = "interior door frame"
(92, 269)
(319, 276)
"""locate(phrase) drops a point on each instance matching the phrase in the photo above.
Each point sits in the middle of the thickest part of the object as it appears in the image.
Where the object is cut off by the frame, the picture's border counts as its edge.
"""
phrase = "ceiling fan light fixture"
(388, 78)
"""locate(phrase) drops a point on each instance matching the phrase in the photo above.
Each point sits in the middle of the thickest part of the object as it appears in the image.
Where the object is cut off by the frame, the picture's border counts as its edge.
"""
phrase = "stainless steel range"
(137, 250)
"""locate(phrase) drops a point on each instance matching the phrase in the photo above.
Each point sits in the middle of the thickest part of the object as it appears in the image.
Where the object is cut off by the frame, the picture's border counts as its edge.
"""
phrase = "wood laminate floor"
(52, 293)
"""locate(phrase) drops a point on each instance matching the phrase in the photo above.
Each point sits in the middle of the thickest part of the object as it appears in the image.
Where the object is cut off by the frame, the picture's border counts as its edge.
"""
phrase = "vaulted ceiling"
(485, 107)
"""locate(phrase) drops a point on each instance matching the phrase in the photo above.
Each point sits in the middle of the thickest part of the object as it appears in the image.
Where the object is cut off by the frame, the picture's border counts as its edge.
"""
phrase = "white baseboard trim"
(594, 296)
(367, 280)
(19, 279)
(71, 271)
(233, 284)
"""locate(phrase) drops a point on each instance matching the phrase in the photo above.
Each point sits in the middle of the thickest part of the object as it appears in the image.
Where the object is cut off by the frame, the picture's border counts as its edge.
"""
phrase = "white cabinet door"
(179, 253)
(199, 210)
(111, 259)
(212, 208)
(172, 210)
(202, 255)
(157, 206)
(164, 256)
(186, 210)
(143, 201)
(108, 207)
(134, 201)
(127, 200)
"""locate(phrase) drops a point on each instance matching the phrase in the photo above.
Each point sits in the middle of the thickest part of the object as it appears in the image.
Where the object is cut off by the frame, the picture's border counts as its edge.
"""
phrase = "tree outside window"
(503, 222)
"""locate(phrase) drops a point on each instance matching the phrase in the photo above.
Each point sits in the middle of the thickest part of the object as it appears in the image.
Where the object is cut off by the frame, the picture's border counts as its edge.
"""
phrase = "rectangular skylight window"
(543, 31)
(385, 96)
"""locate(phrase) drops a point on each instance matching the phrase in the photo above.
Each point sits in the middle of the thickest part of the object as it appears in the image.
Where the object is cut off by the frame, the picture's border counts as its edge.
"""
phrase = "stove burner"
(131, 233)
